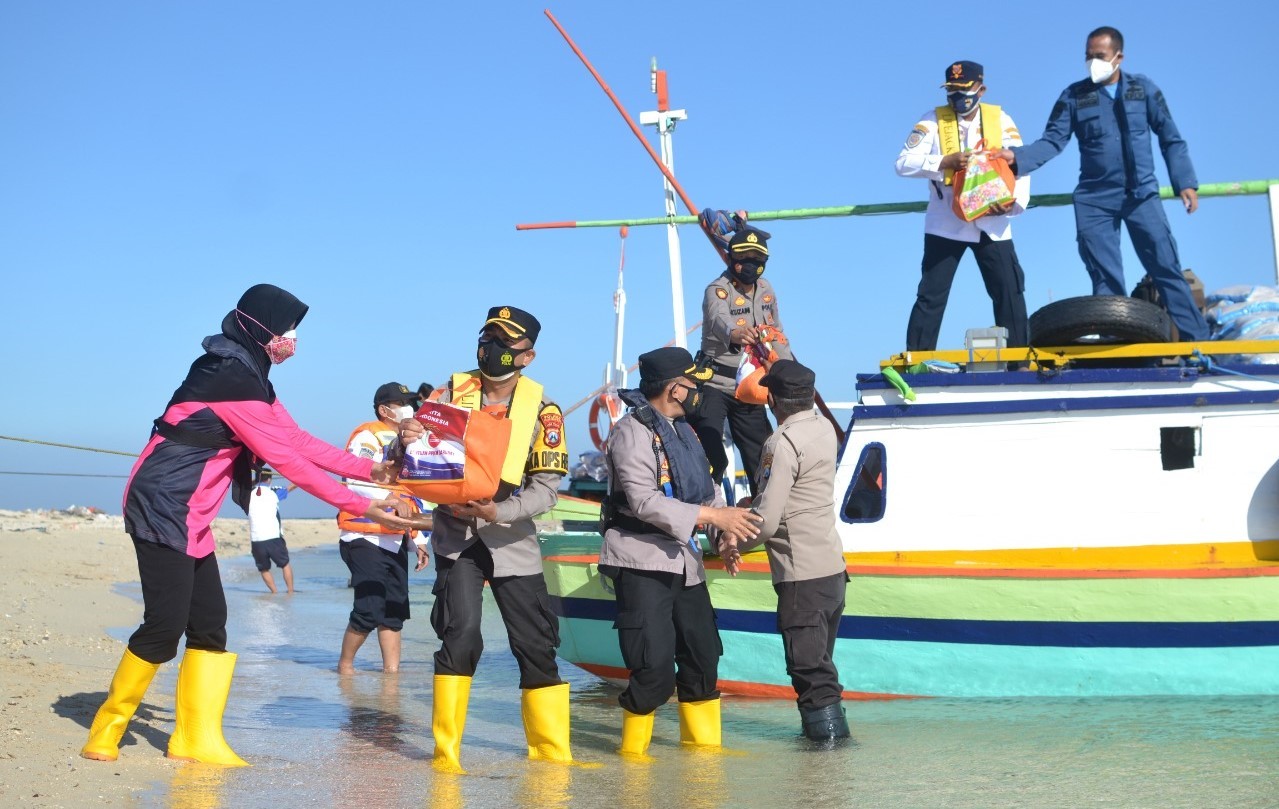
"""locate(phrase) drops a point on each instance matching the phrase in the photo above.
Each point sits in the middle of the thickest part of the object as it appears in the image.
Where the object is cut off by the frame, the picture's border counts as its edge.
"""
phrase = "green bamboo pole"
(1036, 201)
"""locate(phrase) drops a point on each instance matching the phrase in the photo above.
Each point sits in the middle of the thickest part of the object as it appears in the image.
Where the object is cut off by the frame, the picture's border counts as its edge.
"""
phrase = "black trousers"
(531, 626)
(180, 594)
(381, 582)
(1001, 272)
(750, 428)
(668, 638)
(808, 614)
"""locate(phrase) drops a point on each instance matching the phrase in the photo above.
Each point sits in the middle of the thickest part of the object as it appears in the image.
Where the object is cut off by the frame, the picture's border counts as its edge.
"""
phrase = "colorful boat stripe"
(876, 669)
(1087, 634)
(1061, 406)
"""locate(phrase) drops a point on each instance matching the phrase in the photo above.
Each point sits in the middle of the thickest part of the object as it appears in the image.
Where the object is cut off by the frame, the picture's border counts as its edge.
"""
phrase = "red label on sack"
(440, 455)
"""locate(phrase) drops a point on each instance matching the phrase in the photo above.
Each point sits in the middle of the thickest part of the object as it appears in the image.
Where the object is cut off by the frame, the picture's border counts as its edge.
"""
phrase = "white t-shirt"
(365, 444)
(264, 512)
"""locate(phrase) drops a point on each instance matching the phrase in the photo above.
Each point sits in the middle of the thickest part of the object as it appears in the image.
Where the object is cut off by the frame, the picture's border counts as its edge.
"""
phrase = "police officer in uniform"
(735, 305)
(659, 492)
(495, 541)
(1113, 113)
(797, 503)
(935, 149)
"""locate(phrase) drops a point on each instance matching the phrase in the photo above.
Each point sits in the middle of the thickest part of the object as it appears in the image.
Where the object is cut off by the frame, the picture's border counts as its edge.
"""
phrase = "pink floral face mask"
(280, 347)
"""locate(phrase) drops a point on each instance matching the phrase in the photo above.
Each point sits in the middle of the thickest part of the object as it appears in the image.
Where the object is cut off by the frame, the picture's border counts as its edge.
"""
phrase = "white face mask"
(402, 412)
(1099, 69)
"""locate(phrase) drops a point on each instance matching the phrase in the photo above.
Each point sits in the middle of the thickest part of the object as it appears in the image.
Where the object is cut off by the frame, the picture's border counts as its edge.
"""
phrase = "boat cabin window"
(866, 498)
(1178, 447)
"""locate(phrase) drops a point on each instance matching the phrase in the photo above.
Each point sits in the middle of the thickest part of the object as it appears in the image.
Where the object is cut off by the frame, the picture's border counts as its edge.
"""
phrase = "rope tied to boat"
(1208, 366)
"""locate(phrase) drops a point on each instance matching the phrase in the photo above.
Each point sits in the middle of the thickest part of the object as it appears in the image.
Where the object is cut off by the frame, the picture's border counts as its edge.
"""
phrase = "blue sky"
(156, 159)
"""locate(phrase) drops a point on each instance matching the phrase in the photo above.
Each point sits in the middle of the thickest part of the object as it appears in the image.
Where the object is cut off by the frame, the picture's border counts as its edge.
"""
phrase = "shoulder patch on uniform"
(552, 426)
(721, 293)
(915, 137)
(766, 466)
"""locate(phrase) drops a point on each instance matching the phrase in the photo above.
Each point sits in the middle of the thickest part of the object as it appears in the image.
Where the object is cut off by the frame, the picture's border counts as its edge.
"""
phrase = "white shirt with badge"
(921, 157)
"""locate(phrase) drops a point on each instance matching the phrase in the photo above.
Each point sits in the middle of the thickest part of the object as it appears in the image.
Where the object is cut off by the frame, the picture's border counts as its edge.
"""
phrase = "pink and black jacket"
(221, 420)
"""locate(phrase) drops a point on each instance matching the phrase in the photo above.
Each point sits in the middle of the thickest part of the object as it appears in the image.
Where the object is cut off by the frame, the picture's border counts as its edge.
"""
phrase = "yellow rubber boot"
(637, 733)
(546, 724)
(452, 692)
(132, 677)
(699, 723)
(204, 682)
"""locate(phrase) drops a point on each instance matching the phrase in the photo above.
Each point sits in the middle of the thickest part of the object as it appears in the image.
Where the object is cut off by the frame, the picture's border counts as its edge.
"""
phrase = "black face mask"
(749, 273)
(963, 103)
(692, 401)
(497, 361)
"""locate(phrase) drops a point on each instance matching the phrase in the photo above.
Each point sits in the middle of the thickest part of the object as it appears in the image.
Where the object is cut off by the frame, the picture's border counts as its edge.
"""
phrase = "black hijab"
(275, 311)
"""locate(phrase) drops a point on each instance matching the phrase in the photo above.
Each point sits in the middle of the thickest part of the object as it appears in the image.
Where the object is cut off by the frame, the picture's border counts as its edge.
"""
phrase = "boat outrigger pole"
(665, 120)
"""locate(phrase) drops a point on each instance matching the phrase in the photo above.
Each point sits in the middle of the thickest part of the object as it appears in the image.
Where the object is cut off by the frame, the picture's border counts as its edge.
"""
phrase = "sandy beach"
(58, 601)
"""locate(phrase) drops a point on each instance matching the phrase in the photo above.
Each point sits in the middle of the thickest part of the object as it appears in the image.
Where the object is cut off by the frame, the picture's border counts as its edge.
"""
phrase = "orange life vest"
(358, 523)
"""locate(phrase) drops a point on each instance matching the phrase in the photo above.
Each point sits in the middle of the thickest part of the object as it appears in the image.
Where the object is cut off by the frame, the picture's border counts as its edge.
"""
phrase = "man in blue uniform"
(1113, 114)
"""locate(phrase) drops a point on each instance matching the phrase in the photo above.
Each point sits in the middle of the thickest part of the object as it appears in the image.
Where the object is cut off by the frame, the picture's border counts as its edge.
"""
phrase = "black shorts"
(381, 582)
(268, 551)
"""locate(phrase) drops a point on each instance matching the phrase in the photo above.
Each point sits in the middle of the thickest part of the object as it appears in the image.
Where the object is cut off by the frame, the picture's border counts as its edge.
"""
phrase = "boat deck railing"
(1037, 356)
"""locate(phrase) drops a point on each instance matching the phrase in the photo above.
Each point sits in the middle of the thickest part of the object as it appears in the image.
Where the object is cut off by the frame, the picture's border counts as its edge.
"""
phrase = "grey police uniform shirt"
(724, 308)
(797, 500)
(632, 468)
(512, 537)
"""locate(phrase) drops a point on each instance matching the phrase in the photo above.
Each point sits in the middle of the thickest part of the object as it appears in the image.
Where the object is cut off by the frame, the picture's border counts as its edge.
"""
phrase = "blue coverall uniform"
(1117, 182)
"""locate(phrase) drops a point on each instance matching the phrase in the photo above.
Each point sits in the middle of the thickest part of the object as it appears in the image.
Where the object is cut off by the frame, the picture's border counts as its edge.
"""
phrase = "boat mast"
(664, 119)
(615, 375)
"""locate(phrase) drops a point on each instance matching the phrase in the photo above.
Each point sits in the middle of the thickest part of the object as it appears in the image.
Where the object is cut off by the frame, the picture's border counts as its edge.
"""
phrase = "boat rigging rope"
(1199, 358)
(69, 446)
(65, 446)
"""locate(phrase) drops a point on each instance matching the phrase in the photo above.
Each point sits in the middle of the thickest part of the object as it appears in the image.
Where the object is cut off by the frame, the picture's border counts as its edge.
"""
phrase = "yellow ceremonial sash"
(992, 131)
(525, 405)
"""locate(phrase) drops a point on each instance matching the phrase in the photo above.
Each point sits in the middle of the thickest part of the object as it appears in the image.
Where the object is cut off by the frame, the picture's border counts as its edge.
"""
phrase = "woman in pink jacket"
(222, 421)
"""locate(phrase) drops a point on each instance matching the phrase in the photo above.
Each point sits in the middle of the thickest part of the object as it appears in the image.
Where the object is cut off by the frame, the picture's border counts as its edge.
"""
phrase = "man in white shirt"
(266, 532)
(378, 557)
(937, 147)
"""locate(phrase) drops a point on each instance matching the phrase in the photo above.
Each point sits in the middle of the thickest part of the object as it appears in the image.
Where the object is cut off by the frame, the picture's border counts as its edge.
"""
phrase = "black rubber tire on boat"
(1099, 319)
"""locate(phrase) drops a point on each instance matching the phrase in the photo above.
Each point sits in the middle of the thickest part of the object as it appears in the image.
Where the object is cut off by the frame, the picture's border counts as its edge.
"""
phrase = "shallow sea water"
(319, 740)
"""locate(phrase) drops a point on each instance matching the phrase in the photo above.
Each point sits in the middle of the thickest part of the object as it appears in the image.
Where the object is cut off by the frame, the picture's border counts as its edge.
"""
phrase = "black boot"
(823, 724)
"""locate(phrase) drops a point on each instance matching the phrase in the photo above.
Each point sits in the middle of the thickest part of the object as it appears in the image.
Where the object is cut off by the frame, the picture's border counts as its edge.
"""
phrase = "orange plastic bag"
(459, 459)
(756, 360)
(983, 181)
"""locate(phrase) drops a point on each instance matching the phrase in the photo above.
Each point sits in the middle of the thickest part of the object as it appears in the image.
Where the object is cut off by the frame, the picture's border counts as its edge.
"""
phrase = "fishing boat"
(1094, 516)
(1104, 522)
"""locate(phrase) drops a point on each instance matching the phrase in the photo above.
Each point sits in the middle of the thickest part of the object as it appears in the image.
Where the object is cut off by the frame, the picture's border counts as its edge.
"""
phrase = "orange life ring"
(604, 403)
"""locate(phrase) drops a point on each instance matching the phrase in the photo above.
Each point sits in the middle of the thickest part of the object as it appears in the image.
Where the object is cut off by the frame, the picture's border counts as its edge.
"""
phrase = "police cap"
(749, 243)
(787, 379)
(670, 362)
(963, 75)
(515, 322)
